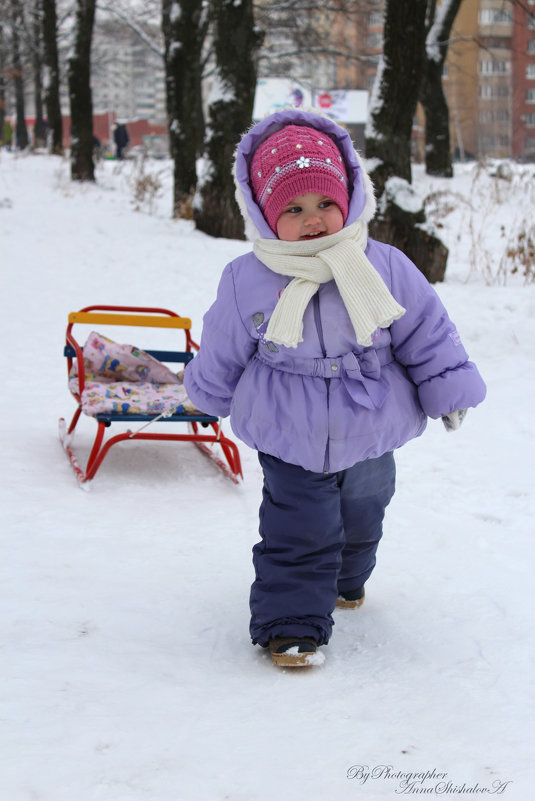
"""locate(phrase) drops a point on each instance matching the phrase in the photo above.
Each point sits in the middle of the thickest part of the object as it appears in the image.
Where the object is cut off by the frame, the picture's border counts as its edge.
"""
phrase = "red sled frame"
(154, 318)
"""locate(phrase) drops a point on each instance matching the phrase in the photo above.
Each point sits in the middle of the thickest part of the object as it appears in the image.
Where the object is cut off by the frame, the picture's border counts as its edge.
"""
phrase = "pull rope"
(169, 413)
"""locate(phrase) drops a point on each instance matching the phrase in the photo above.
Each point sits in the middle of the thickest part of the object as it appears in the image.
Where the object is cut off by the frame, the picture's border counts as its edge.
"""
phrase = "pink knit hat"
(292, 162)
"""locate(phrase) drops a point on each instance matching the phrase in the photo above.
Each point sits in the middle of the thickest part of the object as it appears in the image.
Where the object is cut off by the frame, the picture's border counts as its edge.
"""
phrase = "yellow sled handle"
(103, 318)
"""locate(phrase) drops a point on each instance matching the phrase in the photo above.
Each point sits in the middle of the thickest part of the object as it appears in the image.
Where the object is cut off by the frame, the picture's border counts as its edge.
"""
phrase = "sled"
(203, 430)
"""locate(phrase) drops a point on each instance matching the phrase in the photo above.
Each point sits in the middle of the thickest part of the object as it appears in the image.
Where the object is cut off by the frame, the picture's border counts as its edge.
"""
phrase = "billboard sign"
(274, 94)
(342, 105)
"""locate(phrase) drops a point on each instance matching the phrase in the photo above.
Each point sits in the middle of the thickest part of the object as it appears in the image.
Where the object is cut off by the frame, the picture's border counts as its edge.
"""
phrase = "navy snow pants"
(320, 533)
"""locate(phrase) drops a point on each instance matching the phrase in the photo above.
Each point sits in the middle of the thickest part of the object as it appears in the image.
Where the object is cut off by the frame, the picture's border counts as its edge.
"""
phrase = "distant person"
(7, 134)
(97, 147)
(121, 139)
(39, 134)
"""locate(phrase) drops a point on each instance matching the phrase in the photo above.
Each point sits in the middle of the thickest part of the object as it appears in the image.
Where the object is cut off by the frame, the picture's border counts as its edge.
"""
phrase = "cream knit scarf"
(311, 263)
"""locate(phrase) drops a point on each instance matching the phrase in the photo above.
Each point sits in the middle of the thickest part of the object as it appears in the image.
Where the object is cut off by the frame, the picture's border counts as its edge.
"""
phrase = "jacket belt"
(359, 372)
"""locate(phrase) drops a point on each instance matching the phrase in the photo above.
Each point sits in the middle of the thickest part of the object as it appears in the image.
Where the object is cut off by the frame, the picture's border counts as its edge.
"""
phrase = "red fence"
(103, 129)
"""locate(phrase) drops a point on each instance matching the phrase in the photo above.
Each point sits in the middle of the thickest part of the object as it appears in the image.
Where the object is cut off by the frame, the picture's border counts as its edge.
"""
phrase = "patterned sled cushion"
(115, 362)
(135, 397)
(123, 379)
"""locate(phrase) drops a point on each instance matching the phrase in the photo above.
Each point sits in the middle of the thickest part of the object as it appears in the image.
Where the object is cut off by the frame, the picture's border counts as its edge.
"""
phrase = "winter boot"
(351, 599)
(295, 652)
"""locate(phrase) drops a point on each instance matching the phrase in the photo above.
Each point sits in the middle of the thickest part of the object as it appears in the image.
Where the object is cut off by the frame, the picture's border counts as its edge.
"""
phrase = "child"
(329, 350)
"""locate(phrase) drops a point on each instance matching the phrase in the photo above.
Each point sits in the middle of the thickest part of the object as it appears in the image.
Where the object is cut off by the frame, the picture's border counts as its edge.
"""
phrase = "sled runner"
(122, 383)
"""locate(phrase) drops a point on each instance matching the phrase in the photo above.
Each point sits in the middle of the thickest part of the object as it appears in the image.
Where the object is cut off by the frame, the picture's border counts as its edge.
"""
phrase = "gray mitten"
(453, 420)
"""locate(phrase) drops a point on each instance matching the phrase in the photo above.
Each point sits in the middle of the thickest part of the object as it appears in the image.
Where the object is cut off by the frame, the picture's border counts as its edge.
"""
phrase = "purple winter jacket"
(330, 402)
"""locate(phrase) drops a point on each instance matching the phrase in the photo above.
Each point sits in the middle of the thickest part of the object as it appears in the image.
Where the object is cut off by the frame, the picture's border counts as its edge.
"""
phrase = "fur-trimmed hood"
(362, 200)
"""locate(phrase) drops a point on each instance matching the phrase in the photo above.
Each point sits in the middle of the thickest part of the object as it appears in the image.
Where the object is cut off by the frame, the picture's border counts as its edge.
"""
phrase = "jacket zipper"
(319, 327)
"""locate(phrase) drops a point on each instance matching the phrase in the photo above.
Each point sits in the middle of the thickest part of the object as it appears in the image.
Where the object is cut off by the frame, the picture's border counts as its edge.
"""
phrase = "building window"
(530, 95)
(495, 16)
(487, 92)
(494, 67)
(531, 45)
(530, 71)
(531, 22)
(530, 120)
(374, 41)
(487, 115)
(375, 18)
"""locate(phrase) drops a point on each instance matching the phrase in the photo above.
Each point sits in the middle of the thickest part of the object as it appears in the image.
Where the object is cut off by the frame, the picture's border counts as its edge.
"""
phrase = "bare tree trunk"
(21, 131)
(236, 45)
(82, 166)
(39, 129)
(432, 98)
(388, 136)
(184, 28)
(53, 108)
(395, 95)
(2, 83)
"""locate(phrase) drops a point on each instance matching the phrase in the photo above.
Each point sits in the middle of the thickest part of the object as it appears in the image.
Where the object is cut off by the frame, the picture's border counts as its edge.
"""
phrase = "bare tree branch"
(133, 24)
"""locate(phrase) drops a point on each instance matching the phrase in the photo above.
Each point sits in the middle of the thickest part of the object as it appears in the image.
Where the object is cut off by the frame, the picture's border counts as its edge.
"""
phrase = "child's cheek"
(287, 229)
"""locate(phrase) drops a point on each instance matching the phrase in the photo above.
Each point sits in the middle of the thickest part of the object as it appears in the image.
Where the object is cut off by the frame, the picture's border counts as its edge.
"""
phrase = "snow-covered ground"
(127, 673)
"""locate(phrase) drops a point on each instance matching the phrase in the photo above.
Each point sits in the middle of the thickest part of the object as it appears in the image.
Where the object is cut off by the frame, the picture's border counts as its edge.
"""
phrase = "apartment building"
(127, 76)
(296, 46)
(461, 81)
(358, 33)
(490, 79)
(489, 75)
(495, 79)
(523, 81)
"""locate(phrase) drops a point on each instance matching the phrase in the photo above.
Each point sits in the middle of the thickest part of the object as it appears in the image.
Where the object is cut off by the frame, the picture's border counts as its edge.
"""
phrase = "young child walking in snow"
(329, 350)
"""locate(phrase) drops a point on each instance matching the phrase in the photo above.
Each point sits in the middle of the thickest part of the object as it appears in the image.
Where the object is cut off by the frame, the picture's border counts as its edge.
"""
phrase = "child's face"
(308, 217)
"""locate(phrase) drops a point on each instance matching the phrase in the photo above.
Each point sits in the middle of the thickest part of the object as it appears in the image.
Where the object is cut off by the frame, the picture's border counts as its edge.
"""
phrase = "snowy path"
(127, 669)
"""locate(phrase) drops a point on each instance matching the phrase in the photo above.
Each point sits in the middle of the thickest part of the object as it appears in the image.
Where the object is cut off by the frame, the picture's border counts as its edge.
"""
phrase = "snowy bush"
(146, 187)
(519, 255)
(493, 212)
